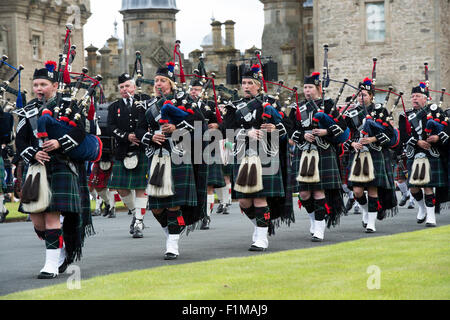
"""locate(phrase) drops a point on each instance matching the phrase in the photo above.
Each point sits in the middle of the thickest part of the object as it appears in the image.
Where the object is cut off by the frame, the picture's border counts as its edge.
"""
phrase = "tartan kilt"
(99, 178)
(185, 192)
(2, 175)
(343, 167)
(380, 170)
(438, 177)
(227, 170)
(330, 175)
(389, 168)
(272, 184)
(122, 178)
(65, 187)
(215, 176)
(399, 174)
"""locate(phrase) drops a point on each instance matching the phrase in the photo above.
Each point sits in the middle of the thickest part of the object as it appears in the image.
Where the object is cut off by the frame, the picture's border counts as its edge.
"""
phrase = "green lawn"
(413, 265)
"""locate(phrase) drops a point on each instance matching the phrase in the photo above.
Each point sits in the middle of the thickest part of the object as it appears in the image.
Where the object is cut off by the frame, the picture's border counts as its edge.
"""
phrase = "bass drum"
(107, 140)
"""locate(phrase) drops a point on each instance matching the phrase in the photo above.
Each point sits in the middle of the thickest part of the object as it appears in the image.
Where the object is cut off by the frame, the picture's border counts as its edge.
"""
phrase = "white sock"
(112, 199)
(2, 205)
(403, 188)
(141, 208)
(210, 204)
(228, 194)
(104, 196)
(220, 195)
(129, 201)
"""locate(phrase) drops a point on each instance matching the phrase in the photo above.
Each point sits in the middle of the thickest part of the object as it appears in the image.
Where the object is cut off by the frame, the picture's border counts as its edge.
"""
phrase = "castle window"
(141, 28)
(160, 27)
(375, 22)
(35, 44)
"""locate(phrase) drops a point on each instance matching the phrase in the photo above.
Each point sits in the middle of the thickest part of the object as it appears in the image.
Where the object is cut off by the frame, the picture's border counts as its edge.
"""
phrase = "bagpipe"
(374, 124)
(70, 112)
(174, 111)
(5, 87)
(438, 122)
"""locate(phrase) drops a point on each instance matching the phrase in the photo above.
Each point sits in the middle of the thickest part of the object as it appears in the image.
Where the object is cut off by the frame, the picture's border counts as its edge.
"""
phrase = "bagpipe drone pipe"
(5, 105)
(49, 127)
(437, 119)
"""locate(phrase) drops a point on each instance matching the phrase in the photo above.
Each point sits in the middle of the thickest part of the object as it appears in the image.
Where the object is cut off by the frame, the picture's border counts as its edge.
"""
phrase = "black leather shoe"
(220, 209)
(3, 216)
(106, 212)
(137, 234)
(112, 213)
(370, 231)
(170, 256)
(205, 223)
(62, 268)
(411, 206)
(130, 212)
(315, 239)
(364, 225)
(46, 275)
(132, 225)
(349, 204)
(256, 249)
(419, 221)
(430, 225)
(225, 209)
(403, 201)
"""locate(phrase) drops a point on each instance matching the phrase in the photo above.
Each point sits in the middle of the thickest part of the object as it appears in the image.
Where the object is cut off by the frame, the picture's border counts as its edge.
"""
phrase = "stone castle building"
(33, 31)
(402, 34)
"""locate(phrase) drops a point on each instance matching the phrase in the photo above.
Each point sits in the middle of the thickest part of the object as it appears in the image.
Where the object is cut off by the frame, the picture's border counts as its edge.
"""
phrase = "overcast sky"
(193, 21)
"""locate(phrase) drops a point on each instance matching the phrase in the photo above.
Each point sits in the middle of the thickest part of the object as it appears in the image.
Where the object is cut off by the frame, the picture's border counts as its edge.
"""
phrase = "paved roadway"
(113, 250)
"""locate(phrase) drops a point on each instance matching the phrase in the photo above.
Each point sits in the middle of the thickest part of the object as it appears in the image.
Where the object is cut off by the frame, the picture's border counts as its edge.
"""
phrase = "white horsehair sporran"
(38, 175)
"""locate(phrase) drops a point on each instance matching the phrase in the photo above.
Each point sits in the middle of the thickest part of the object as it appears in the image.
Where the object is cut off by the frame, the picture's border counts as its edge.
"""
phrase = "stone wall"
(416, 32)
(41, 24)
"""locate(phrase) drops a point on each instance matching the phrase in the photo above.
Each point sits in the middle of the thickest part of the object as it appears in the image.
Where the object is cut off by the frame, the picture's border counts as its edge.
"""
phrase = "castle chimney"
(229, 33)
(217, 34)
(92, 59)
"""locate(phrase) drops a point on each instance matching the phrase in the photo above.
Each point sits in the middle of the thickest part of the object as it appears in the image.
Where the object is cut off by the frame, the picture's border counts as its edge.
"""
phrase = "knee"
(304, 195)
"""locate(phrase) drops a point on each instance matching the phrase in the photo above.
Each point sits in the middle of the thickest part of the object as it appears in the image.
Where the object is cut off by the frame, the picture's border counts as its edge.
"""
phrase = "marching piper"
(426, 166)
(259, 129)
(66, 176)
(315, 162)
(129, 172)
(172, 185)
(370, 160)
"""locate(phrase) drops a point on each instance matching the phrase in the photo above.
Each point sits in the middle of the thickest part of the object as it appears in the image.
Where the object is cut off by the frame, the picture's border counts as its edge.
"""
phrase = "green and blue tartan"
(122, 178)
(185, 193)
(329, 172)
(216, 176)
(227, 170)
(381, 171)
(438, 177)
(272, 184)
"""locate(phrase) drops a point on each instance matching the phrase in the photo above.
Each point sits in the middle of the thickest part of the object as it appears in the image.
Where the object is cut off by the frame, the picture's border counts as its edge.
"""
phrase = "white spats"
(431, 217)
(372, 217)
(172, 244)
(261, 240)
(51, 261)
(319, 229)
(311, 220)
(422, 213)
